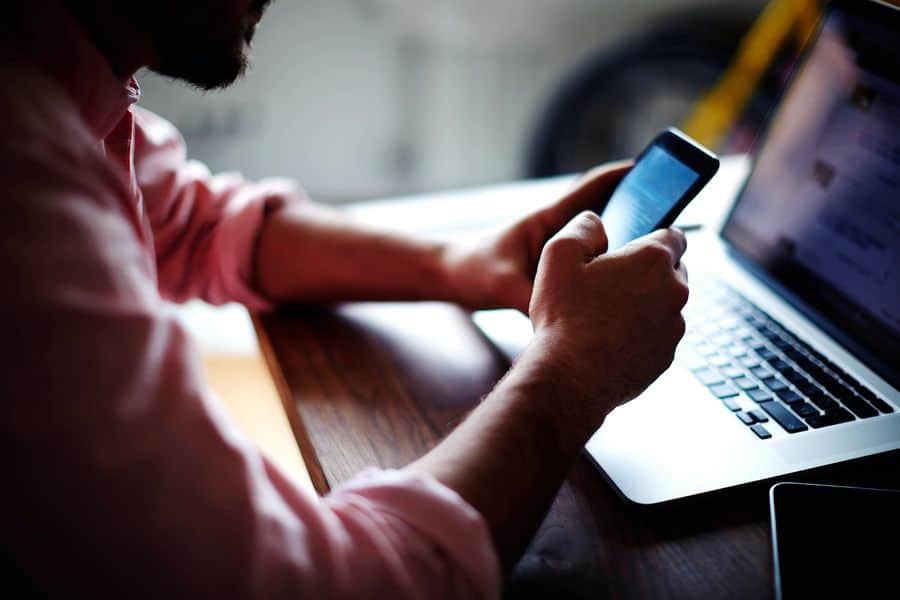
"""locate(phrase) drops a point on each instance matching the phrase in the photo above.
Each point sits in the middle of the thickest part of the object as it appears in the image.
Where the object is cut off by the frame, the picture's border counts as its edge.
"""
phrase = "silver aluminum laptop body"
(814, 242)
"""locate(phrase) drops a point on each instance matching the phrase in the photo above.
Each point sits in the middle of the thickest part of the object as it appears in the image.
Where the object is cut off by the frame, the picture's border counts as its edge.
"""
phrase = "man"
(124, 475)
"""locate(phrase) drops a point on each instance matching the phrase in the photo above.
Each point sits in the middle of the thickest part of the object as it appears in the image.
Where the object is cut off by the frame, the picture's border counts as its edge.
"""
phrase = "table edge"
(301, 435)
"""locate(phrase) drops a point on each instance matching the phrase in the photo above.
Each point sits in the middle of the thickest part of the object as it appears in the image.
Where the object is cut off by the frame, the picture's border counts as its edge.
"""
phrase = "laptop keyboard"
(740, 353)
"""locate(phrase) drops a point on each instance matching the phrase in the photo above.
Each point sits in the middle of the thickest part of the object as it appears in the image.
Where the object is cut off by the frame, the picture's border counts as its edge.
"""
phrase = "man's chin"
(207, 73)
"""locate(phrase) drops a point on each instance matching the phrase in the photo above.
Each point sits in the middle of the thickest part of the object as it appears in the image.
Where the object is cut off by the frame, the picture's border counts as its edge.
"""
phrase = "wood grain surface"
(380, 384)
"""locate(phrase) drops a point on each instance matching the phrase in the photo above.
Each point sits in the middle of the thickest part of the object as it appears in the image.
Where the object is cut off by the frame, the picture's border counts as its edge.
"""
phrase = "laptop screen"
(820, 214)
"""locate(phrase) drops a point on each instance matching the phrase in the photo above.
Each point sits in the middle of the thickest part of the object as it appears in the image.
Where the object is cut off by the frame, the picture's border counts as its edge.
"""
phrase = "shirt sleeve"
(205, 227)
(124, 477)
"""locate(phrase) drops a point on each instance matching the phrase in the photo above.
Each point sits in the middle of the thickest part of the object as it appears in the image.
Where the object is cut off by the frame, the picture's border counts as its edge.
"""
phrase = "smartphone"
(834, 541)
(666, 176)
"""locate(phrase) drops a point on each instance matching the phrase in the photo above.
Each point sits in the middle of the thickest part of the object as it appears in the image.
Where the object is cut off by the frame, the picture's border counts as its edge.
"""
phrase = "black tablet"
(835, 541)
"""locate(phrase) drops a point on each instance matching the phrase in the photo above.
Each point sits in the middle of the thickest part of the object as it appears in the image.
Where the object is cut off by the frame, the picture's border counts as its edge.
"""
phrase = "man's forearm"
(509, 457)
(317, 254)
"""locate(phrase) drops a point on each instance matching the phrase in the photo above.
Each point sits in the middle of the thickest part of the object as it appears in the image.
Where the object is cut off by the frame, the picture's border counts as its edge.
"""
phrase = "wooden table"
(380, 384)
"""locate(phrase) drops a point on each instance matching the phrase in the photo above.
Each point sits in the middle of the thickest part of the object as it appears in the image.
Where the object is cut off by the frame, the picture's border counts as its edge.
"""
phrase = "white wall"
(368, 98)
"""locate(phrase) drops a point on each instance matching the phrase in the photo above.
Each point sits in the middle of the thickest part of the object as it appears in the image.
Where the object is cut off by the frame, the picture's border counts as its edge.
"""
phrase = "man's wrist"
(565, 403)
(450, 281)
(442, 282)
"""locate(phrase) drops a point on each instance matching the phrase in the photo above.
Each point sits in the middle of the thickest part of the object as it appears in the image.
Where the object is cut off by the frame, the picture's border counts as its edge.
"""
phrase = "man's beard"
(197, 53)
(206, 67)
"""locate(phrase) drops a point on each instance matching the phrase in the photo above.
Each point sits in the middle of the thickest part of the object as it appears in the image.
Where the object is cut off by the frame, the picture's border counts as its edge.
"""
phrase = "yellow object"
(244, 385)
(716, 113)
(231, 349)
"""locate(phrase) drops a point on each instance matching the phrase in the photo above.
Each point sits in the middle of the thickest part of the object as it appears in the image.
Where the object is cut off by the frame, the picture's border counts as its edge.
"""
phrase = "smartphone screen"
(834, 541)
(665, 177)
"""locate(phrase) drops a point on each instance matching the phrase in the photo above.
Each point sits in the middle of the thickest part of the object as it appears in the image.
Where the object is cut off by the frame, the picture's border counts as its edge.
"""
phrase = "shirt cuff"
(239, 234)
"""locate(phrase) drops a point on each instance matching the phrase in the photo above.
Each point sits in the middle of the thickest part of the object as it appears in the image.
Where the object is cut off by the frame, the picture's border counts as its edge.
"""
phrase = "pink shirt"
(123, 474)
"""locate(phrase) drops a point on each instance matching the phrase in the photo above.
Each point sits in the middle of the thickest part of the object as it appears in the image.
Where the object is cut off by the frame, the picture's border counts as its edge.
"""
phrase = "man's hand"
(499, 272)
(608, 323)
(312, 253)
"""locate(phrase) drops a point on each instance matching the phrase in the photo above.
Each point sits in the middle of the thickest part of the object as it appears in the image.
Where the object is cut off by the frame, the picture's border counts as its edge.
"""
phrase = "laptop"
(791, 359)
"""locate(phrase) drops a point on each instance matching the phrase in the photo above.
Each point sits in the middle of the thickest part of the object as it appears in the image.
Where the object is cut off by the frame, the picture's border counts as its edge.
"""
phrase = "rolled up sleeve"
(205, 226)
(424, 535)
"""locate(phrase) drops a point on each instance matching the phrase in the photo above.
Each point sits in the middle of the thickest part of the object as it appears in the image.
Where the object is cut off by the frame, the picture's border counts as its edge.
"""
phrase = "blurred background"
(361, 99)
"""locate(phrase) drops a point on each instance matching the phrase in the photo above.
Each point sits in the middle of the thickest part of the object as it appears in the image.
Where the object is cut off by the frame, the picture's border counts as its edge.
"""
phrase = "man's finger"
(520, 294)
(682, 273)
(591, 193)
(580, 240)
(673, 239)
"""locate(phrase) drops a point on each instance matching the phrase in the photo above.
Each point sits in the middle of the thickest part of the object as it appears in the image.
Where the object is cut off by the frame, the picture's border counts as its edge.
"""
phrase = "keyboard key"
(880, 404)
(774, 384)
(766, 332)
(736, 350)
(755, 316)
(822, 400)
(831, 417)
(771, 335)
(748, 361)
(723, 390)
(782, 344)
(730, 323)
(789, 396)
(766, 354)
(760, 395)
(746, 418)
(718, 360)
(780, 365)
(784, 417)
(760, 431)
(708, 376)
(806, 364)
(760, 416)
(828, 381)
(804, 409)
(731, 404)
(822, 376)
(794, 354)
(808, 388)
(861, 389)
(794, 376)
(731, 371)
(753, 320)
(721, 340)
(851, 381)
(856, 404)
(761, 372)
(868, 394)
(745, 383)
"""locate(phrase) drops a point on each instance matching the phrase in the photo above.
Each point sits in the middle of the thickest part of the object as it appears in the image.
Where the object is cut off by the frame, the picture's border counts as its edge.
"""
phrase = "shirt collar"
(47, 33)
